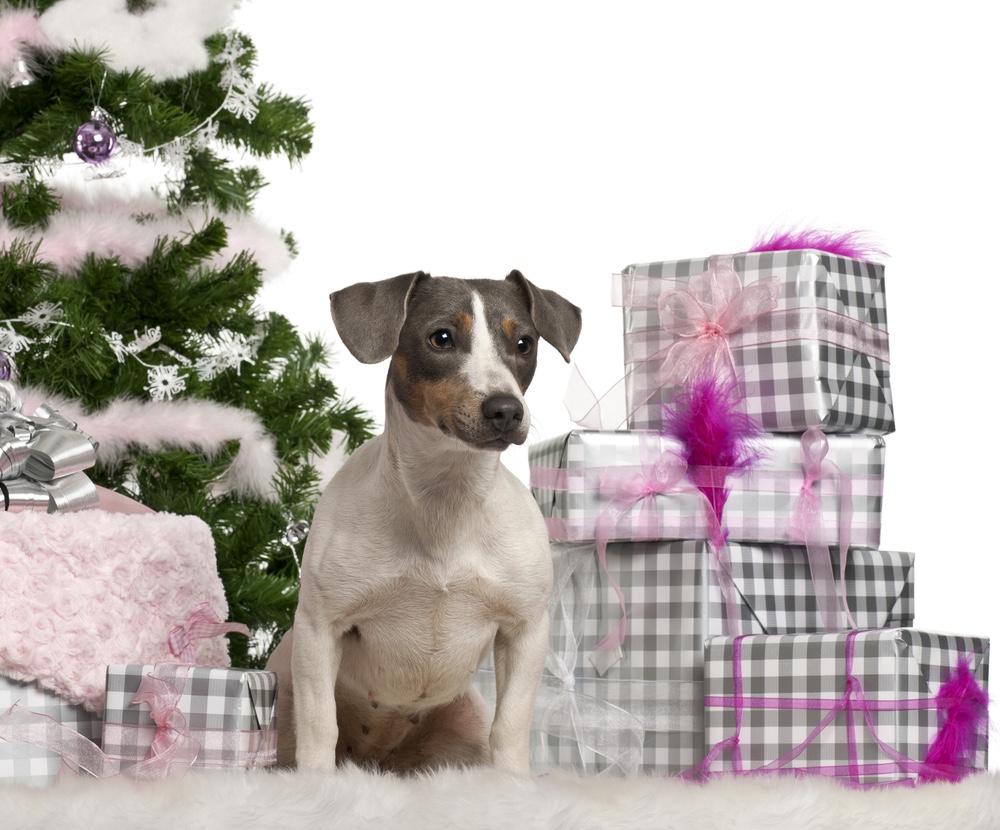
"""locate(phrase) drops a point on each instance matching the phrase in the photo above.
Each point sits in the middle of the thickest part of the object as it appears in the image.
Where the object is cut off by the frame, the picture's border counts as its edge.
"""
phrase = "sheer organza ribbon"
(807, 527)
(201, 623)
(42, 458)
(592, 724)
(172, 749)
(852, 701)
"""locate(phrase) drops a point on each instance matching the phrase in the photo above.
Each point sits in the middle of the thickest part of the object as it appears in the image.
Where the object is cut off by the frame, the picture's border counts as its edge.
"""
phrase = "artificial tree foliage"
(191, 305)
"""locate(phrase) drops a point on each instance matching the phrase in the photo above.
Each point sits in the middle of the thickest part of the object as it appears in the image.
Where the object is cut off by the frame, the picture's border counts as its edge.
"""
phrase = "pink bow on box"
(702, 313)
(201, 623)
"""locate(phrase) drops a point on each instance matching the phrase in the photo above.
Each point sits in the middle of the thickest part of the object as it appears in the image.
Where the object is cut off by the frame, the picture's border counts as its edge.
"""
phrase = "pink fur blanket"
(81, 590)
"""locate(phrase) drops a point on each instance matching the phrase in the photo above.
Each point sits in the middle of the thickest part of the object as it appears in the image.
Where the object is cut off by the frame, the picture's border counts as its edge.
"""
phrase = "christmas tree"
(130, 264)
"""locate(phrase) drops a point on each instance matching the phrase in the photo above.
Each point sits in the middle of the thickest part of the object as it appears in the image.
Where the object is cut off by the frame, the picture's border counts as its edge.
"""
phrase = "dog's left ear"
(556, 318)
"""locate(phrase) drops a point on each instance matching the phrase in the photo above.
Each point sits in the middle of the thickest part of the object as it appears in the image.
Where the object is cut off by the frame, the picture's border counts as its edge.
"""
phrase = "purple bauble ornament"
(94, 142)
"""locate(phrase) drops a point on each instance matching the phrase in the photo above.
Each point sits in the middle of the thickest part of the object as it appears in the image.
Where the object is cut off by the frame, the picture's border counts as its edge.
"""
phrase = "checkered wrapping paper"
(899, 670)
(230, 712)
(791, 381)
(28, 763)
(674, 604)
(566, 474)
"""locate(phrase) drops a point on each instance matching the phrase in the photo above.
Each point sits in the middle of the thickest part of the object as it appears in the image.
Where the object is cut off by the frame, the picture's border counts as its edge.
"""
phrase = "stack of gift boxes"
(789, 646)
(112, 655)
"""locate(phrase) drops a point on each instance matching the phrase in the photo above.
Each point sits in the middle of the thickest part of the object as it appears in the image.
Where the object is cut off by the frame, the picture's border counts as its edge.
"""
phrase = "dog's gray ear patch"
(369, 315)
(555, 317)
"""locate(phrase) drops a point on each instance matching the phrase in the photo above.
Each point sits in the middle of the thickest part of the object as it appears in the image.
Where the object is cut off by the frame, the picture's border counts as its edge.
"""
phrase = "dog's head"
(463, 351)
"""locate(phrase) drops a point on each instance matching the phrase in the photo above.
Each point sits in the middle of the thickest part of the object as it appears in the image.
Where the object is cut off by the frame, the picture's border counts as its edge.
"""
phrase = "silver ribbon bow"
(42, 458)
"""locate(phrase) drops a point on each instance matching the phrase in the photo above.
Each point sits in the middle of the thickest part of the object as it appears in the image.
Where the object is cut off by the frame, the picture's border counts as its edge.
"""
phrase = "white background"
(570, 139)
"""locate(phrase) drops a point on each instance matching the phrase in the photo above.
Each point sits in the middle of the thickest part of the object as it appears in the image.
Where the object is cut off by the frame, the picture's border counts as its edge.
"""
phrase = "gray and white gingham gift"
(29, 763)
(788, 685)
(820, 358)
(576, 476)
(229, 712)
(674, 602)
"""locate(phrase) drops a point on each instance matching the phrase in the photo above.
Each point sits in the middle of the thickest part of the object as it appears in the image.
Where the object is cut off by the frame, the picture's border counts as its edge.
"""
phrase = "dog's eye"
(525, 345)
(442, 339)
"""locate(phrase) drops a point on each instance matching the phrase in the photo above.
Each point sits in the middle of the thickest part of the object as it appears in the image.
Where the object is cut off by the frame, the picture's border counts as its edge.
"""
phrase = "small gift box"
(175, 714)
(634, 486)
(28, 762)
(865, 706)
(804, 331)
(674, 601)
(82, 590)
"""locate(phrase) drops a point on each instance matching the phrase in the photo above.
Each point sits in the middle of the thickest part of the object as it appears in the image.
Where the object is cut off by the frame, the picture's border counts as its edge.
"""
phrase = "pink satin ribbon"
(853, 700)
(807, 527)
(201, 623)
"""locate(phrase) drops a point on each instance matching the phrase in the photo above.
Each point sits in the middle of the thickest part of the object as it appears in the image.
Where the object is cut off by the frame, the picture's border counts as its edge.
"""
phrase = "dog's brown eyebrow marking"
(464, 321)
(508, 326)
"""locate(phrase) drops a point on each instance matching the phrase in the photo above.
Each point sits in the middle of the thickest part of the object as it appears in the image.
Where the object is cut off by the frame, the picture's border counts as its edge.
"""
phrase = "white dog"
(425, 550)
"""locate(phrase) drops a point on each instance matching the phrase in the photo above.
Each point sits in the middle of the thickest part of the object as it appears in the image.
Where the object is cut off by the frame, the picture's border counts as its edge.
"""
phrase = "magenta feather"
(963, 712)
(719, 437)
(851, 244)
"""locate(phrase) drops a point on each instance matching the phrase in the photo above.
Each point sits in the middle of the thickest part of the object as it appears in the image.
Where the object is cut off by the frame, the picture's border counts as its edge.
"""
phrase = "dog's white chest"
(419, 640)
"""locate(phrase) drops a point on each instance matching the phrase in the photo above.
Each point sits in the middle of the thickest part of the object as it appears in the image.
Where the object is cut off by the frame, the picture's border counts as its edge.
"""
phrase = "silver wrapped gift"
(803, 331)
(862, 706)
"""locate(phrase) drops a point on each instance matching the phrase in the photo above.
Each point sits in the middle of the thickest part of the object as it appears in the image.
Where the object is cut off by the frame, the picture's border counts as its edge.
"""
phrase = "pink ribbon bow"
(702, 313)
(172, 744)
(201, 623)
(806, 527)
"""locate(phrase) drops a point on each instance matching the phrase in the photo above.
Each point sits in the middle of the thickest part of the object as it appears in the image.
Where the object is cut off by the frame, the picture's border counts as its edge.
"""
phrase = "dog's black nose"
(505, 412)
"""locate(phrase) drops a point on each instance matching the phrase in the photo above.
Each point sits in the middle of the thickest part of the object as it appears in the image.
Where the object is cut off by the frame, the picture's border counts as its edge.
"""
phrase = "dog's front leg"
(315, 663)
(519, 656)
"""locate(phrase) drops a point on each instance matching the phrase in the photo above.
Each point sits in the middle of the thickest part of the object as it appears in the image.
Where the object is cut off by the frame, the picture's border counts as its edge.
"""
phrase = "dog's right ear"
(370, 315)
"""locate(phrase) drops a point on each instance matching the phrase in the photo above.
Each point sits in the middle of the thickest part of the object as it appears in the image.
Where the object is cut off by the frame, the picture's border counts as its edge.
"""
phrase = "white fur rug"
(485, 799)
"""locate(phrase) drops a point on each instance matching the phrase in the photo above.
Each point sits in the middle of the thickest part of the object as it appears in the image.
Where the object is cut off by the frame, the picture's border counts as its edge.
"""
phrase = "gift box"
(673, 603)
(29, 763)
(634, 486)
(189, 715)
(79, 591)
(864, 706)
(804, 332)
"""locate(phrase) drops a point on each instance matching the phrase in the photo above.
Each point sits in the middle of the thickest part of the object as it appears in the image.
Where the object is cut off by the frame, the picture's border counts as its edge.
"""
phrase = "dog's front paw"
(317, 760)
(512, 761)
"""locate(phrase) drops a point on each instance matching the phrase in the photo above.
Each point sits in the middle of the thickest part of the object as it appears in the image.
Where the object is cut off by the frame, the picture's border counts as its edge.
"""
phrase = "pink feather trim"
(709, 420)
(851, 244)
(963, 710)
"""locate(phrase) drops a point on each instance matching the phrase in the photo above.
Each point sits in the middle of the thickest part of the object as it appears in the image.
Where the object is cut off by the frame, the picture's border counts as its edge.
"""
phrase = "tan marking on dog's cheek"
(409, 394)
(442, 397)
